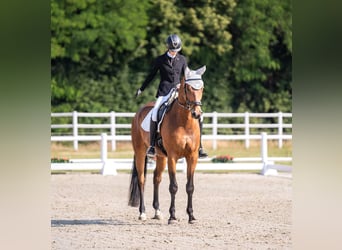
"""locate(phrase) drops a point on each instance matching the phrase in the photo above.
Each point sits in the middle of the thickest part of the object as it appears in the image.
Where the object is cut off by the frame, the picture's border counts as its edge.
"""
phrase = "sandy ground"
(234, 211)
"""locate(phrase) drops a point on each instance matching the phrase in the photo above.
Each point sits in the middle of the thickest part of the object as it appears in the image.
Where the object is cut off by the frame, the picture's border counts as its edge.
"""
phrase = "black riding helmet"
(174, 43)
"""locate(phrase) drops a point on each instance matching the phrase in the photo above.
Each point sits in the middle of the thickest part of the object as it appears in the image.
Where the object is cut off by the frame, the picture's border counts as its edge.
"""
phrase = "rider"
(171, 66)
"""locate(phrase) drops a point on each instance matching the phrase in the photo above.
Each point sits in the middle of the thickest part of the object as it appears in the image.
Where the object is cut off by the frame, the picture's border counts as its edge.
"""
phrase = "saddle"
(163, 109)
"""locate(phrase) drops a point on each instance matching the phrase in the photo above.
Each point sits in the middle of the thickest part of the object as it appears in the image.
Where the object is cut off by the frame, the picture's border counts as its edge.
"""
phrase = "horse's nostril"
(195, 115)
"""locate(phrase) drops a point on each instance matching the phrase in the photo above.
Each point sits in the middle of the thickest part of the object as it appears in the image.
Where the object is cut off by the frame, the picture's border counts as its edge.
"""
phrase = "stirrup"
(202, 154)
(151, 152)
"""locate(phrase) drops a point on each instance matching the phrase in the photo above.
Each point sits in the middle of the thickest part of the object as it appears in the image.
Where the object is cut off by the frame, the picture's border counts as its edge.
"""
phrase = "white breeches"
(160, 100)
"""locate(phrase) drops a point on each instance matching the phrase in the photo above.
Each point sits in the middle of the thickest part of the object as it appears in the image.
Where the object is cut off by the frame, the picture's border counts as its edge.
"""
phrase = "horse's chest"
(182, 135)
(189, 137)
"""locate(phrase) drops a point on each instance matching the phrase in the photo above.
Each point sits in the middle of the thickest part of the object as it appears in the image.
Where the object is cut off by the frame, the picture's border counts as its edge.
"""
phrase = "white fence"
(221, 126)
(264, 163)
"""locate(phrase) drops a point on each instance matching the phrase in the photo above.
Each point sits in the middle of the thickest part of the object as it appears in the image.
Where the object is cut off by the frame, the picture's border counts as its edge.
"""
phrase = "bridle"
(190, 105)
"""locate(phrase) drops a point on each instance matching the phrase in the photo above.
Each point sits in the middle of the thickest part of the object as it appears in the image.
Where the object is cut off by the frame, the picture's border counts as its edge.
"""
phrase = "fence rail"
(110, 166)
(78, 126)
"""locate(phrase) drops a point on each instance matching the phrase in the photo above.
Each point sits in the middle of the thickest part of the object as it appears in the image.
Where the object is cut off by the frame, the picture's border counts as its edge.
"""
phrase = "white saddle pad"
(146, 122)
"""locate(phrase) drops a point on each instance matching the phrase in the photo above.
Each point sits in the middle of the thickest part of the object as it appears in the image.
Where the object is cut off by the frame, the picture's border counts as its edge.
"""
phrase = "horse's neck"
(181, 115)
(181, 96)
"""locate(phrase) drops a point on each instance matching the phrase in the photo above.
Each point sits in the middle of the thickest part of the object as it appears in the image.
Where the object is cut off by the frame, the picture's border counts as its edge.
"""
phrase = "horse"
(180, 138)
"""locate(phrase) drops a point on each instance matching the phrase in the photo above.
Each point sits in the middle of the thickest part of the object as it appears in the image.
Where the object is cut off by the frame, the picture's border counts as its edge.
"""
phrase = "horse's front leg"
(157, 177)
(191, 165)
(173, 187)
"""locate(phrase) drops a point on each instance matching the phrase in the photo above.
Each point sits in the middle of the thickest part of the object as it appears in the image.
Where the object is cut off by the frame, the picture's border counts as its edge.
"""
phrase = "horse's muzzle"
(196, 110)
(196, 115)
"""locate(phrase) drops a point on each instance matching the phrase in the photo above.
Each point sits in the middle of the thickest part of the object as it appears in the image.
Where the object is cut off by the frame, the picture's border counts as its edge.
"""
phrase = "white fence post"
(113, 129)
(75, 129)
(104, 147)
(214, 121)
(264, 148)
(247, 129)
(107, 169)
(264, 157)
(280, 129)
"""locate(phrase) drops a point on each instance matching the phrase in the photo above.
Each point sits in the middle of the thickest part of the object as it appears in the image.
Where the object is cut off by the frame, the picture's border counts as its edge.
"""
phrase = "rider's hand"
(138, 93)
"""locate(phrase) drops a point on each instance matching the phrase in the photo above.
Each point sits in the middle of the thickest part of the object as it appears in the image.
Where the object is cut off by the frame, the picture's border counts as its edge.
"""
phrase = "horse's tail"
(134, 190)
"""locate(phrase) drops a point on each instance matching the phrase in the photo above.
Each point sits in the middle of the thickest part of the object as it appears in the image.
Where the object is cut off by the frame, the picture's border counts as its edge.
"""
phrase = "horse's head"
(191, 91)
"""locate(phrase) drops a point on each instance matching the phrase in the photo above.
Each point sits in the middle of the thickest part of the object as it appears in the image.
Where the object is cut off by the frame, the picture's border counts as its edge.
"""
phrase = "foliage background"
(101, 52)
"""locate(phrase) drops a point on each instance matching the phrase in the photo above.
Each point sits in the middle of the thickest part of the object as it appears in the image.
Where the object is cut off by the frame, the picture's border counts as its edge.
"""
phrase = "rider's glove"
(138, 93)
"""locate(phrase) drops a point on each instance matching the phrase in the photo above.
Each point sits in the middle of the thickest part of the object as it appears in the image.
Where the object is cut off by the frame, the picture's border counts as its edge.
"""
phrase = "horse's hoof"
(172, 221)
(158, 215)
(142, 217)
(194, 221)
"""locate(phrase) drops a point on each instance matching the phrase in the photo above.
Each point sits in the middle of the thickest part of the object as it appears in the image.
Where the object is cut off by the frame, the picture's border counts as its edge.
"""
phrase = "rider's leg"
(201, 152)
(153, 128)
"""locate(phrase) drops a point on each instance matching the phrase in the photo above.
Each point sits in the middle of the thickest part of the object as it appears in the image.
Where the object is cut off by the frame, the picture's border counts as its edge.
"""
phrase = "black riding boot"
(153, 129)
(201, 152)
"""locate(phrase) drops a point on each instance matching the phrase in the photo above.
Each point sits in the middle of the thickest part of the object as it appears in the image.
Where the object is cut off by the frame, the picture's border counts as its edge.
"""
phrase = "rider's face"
(173, 53)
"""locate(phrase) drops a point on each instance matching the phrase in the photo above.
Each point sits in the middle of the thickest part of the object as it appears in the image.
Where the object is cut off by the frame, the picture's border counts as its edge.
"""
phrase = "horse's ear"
(187, 72)
(201, 70)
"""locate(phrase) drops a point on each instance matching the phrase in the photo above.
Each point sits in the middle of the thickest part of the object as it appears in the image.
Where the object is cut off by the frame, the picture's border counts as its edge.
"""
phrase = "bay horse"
(180, 133)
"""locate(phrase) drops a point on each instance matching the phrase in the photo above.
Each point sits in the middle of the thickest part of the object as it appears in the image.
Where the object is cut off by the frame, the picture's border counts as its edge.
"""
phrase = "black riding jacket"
(171, 71)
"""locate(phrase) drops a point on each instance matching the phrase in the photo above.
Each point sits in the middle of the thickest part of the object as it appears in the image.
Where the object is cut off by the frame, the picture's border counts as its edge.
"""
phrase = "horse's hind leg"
(157, 177)
(141, 168)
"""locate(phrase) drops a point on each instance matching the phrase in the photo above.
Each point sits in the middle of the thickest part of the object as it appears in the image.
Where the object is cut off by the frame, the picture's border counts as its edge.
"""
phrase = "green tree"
(204, 29)
(92, 41)
(207, 26)
(260, 74)
(101, 52)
